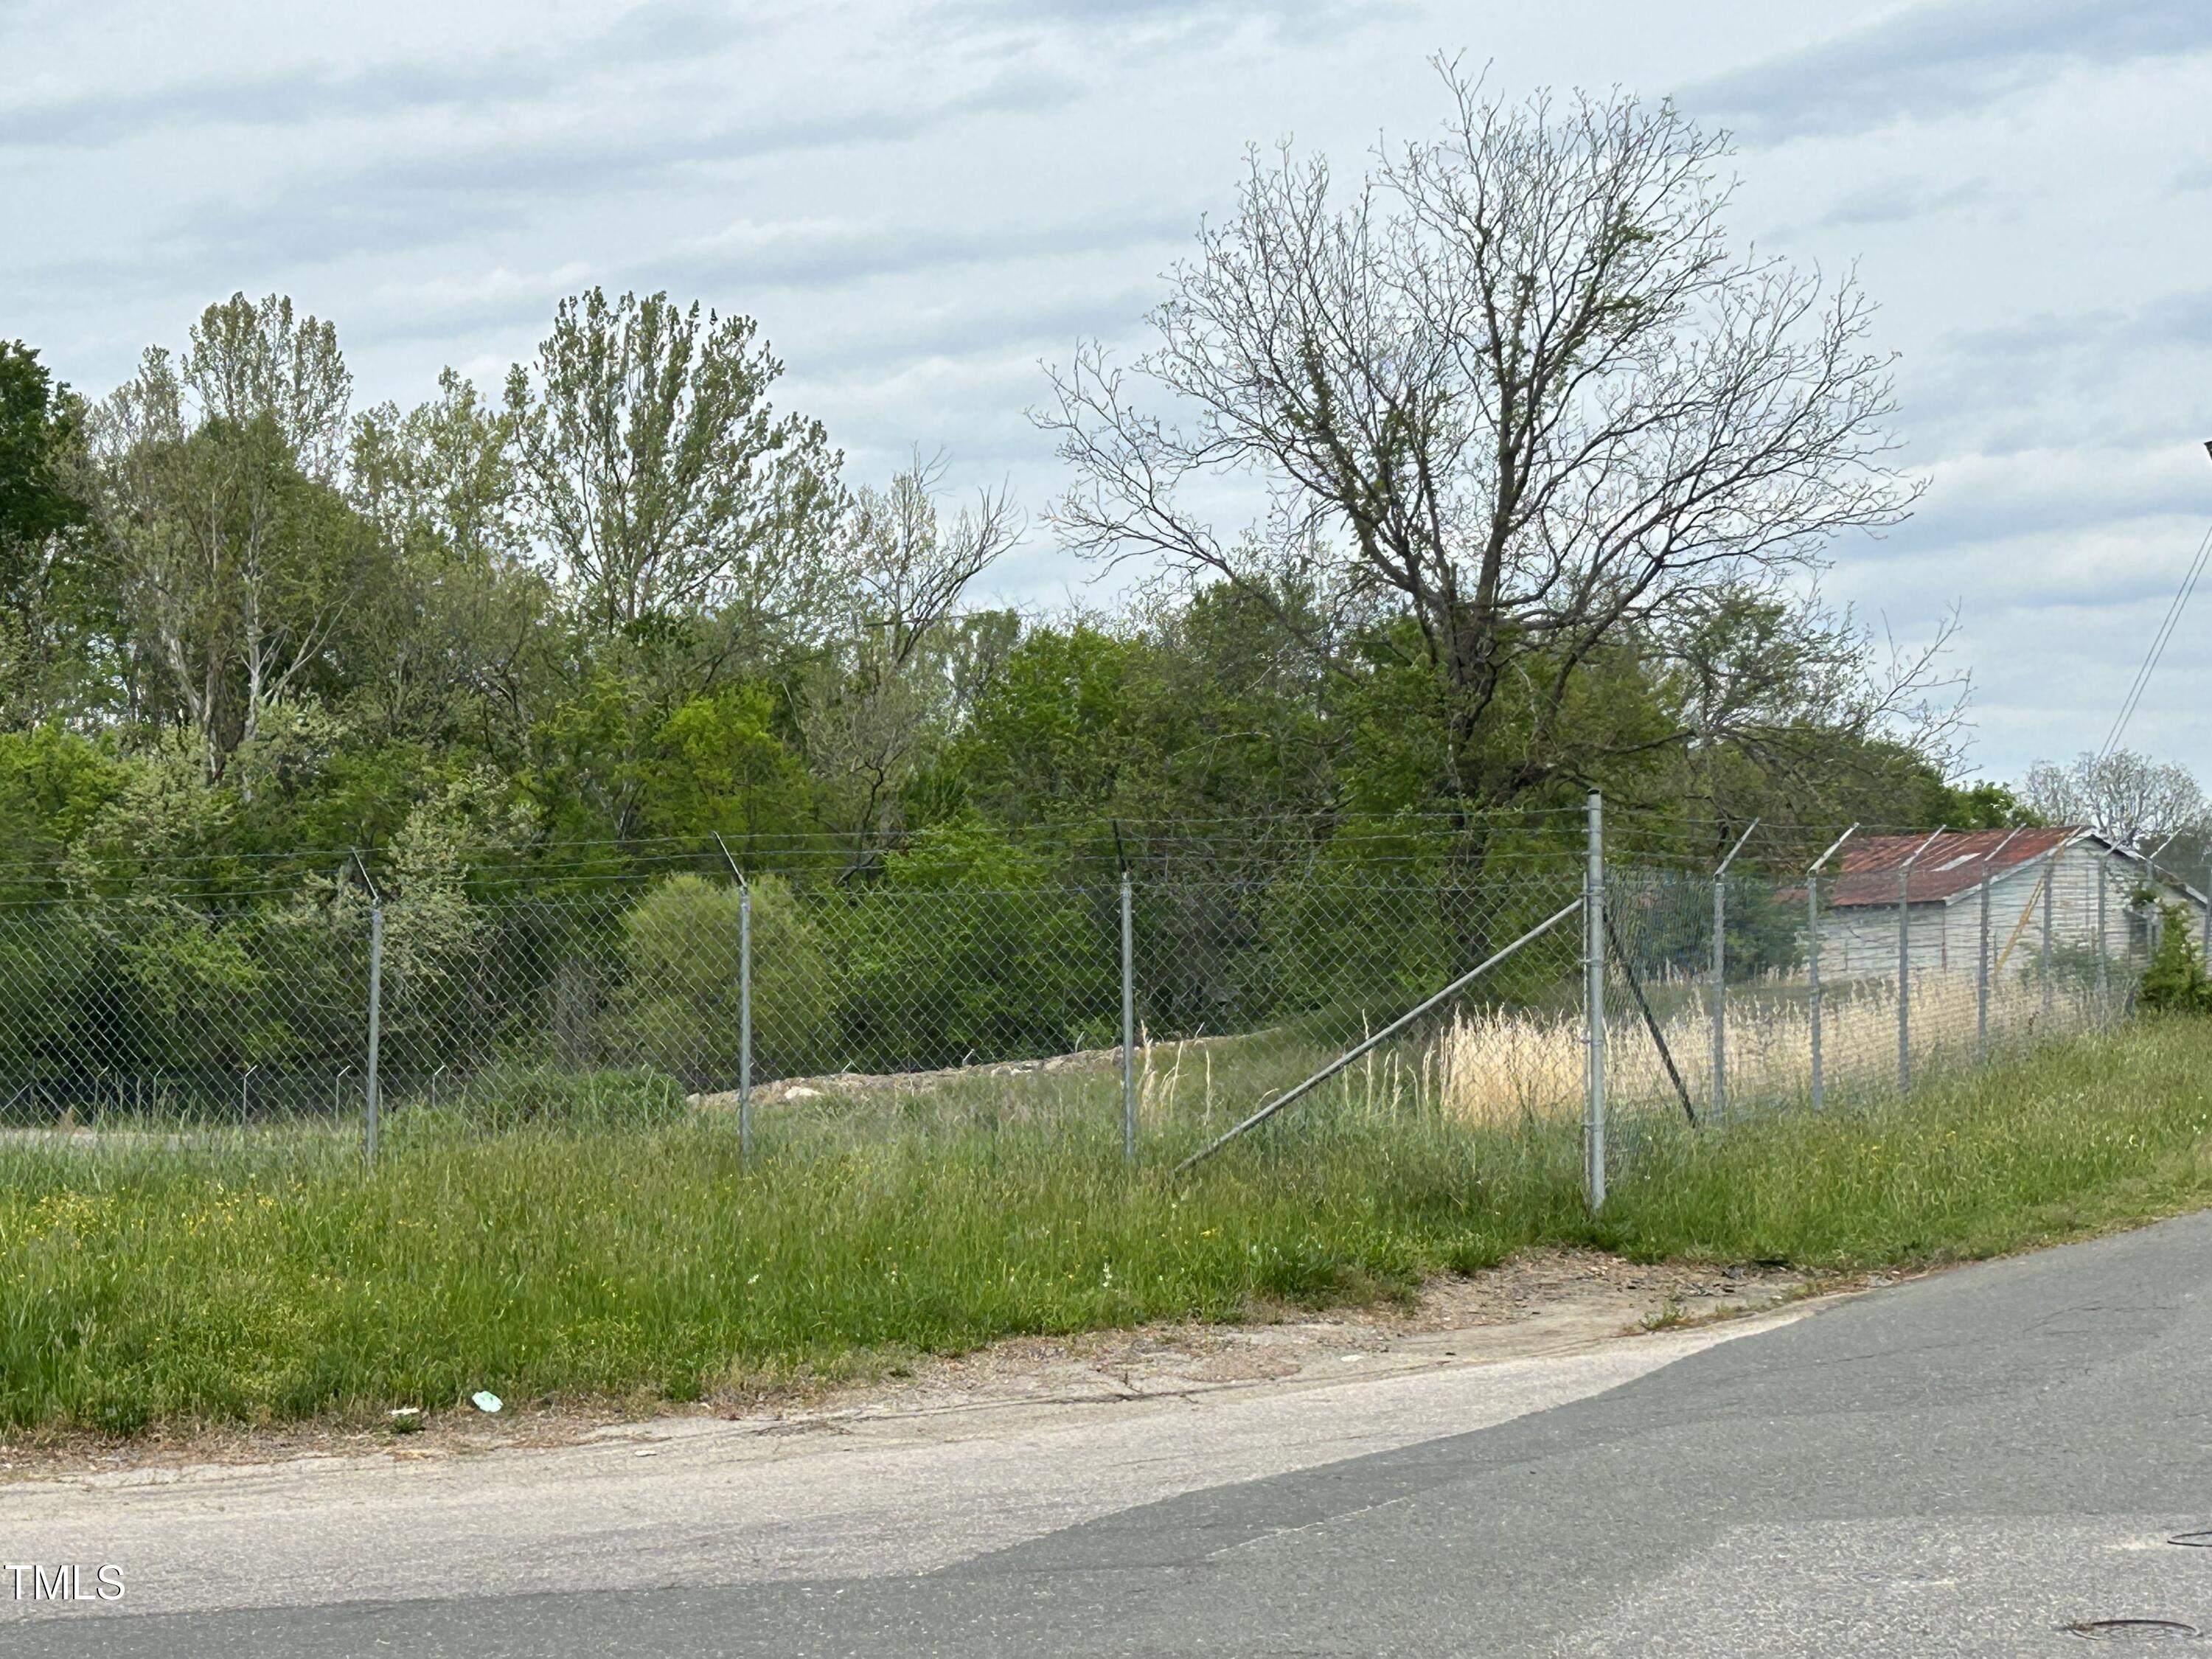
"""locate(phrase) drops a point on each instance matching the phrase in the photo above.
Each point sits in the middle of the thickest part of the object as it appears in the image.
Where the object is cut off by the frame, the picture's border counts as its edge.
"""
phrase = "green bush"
(972, 949)
(679, 1010)
(2175, 982)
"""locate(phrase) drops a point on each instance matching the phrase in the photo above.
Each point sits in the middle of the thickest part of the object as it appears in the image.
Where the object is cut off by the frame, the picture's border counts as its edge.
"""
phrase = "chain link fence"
(1154, 1011)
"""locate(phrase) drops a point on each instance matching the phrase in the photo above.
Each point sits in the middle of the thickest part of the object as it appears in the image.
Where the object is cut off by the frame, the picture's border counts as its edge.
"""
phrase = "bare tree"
(1518, 383)
(901, 569)
(655, 471)
(2129, 798)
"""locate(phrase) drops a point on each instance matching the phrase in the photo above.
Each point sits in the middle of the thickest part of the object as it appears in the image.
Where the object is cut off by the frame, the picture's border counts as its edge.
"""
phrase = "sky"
(924, 202)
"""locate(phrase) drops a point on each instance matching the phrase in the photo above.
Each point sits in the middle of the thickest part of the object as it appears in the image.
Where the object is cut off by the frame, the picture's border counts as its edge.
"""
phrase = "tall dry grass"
(1500, 1066)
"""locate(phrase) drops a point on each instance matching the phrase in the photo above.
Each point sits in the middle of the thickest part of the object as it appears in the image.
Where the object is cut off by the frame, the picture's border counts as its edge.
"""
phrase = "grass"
(1498, 1064)
(262, 1282)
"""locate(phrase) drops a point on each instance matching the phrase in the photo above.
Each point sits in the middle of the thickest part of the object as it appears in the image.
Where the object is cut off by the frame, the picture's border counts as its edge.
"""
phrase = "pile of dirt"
(862, 1084)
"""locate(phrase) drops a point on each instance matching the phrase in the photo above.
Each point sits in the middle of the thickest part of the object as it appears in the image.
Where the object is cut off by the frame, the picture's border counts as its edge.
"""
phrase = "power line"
(2159, 642)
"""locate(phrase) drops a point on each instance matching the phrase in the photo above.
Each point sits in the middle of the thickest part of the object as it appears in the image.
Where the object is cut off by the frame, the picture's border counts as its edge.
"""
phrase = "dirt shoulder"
(1542, 1304)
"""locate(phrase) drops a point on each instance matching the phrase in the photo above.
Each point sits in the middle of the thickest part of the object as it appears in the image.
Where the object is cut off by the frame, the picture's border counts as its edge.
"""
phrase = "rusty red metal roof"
(1952, 864)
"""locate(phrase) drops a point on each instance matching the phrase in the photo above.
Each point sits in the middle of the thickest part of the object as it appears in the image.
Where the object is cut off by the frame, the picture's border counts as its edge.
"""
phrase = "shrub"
(972, 949)
(2175, 982)
(679, 1009)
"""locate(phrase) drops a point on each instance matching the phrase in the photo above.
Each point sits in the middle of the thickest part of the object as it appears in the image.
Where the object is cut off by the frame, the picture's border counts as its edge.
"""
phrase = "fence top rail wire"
(616, 891)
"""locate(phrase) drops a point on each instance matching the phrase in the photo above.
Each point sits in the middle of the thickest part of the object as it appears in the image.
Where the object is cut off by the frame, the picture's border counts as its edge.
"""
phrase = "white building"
(1943, 897)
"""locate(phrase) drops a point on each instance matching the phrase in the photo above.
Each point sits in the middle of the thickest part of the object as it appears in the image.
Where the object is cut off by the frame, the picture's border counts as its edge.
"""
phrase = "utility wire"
(2159, 642)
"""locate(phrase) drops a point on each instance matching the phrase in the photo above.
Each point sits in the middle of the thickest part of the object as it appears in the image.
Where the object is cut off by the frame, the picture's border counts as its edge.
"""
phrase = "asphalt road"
(1963, 1465)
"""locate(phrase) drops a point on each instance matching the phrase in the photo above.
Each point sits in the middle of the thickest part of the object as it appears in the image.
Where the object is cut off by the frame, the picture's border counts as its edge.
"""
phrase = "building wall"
(1945, 937)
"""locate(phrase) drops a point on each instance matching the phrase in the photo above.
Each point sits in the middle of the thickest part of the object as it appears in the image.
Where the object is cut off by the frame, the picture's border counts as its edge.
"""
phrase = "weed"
(158, 1280)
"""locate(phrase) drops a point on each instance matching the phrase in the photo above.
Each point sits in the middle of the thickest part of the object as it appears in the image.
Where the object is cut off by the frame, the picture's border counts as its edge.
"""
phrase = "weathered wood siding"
(1945, 935)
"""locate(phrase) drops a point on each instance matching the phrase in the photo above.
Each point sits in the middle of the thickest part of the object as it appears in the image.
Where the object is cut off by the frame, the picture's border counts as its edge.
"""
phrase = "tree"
(1050, 735)
(885, 691)
(655, 472)
(2127, 798)
(237, 559)
(39, 424)
(459, 652)
(442, 476)
(1518, 385)
(718, 763)
(43, 519)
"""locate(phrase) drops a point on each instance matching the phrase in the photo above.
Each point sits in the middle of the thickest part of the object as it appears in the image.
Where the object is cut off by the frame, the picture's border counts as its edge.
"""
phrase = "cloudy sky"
(921, 201)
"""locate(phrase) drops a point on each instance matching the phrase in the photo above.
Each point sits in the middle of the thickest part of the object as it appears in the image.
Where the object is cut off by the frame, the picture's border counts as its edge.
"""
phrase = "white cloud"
(1923, 62)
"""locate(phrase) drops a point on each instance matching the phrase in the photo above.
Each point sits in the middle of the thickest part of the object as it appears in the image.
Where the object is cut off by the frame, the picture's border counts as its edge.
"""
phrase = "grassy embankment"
(261, 1283)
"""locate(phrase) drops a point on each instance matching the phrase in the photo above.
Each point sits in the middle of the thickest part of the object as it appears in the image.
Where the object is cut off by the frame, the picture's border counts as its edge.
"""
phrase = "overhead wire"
(2166, 628)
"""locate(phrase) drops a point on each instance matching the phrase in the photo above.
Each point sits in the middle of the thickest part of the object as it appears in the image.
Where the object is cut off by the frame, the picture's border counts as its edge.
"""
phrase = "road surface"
(1963, 1465)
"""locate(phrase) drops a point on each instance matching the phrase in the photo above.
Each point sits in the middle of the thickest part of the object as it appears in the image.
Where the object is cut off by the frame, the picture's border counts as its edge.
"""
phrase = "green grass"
(267, 1282)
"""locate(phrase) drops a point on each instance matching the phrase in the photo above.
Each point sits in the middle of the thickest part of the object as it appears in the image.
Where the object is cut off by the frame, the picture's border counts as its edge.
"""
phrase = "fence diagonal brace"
(1650, 1021)
(1379, 1038)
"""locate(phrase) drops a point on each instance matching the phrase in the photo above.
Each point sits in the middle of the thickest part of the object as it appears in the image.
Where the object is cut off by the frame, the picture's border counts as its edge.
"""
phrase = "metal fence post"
(1904, 979)
(2104, 974)
(2049, 884)
(745, 1020)
(2157, 896)
(1812, 975)
(1719, 1112)
(1594, 999)
(375, 1019)
(1983, 973)
(1905, 962)
(1129, 1028)
(2151, 885)
(1982, 976)
(2204, 918)
(1813, 951)
(745, 999)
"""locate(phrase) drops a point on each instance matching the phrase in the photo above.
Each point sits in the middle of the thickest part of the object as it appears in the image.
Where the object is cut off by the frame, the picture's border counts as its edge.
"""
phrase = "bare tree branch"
(1516, 378)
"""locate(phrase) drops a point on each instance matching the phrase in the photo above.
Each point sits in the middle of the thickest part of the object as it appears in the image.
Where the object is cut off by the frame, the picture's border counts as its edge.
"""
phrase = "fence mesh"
(857, 1009)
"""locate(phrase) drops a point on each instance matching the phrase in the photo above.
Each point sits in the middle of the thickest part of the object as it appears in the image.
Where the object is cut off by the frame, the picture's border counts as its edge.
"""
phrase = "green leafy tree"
(1047, 739)
(40, 425)
(51, 614)
(239, 564)
(657, 474)
(971, 948)
(719, 763)
(459, 651)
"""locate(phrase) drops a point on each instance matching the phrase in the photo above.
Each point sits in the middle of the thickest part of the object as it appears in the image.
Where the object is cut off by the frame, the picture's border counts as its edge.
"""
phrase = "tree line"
(1531, 470)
